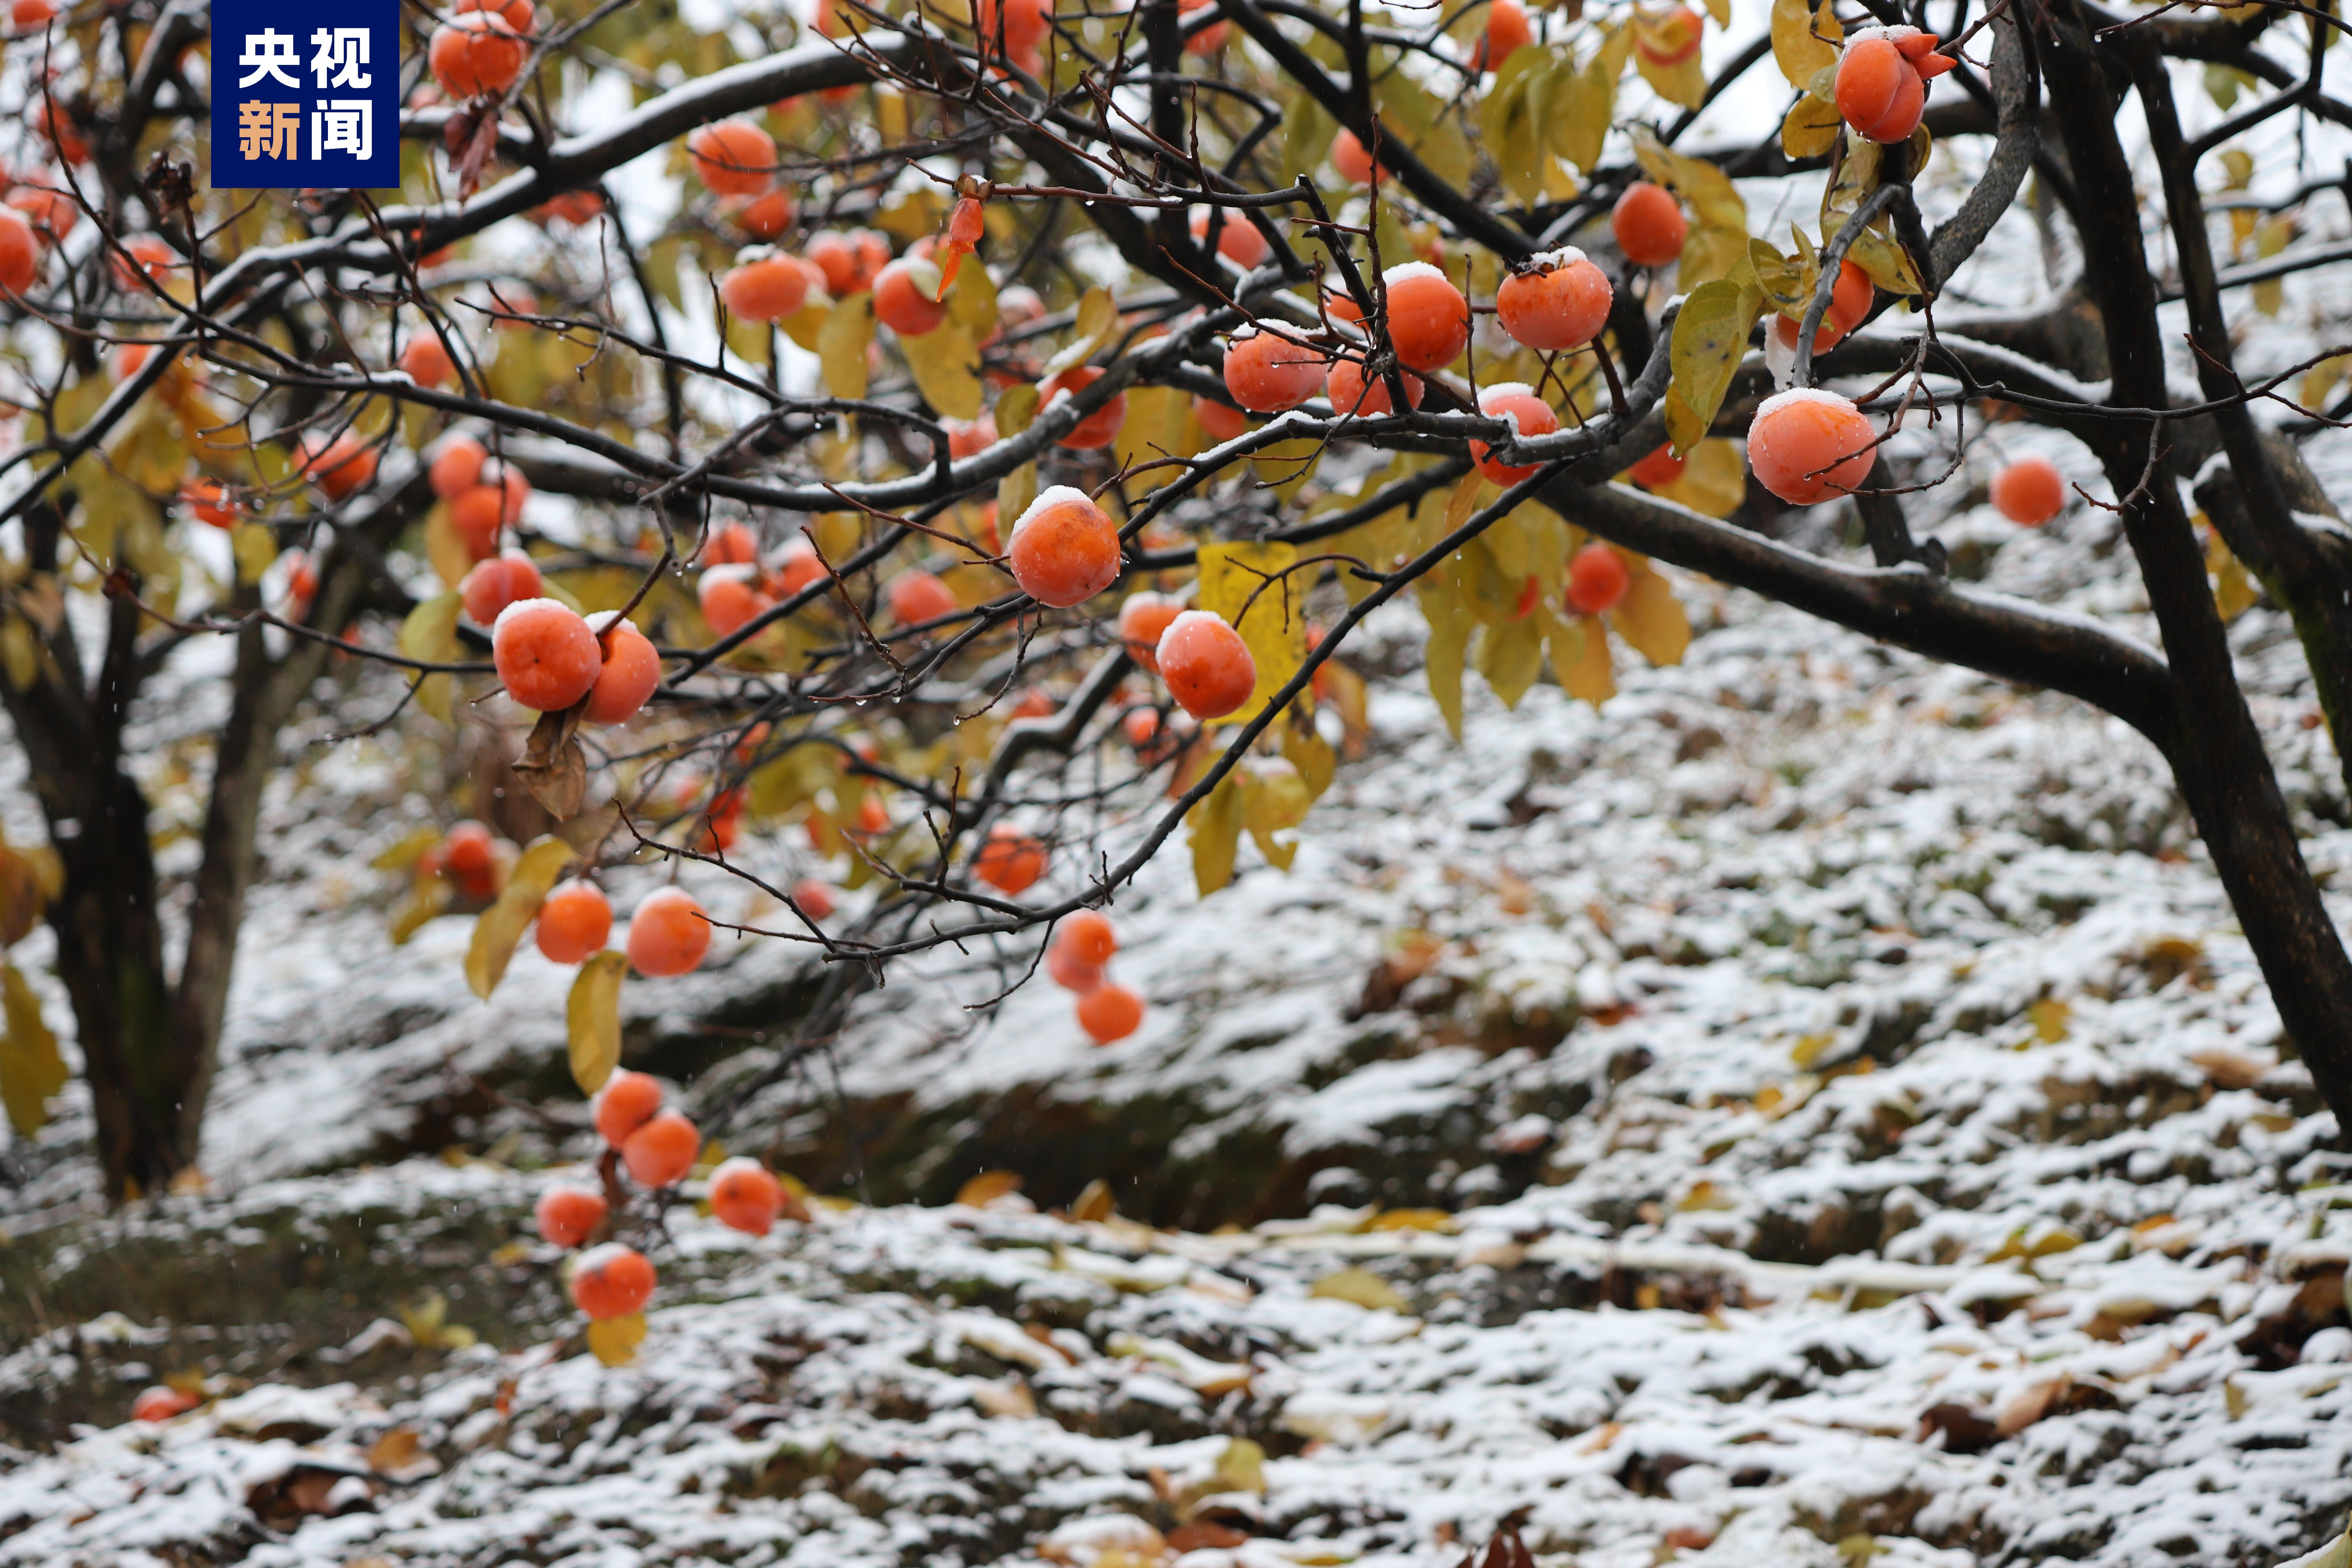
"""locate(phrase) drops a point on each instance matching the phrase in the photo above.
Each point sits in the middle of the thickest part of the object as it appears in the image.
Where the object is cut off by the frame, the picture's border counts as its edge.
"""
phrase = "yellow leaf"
(1450, 624)
(614, 1341)
(1154, 428)
(987, 1187)
(842, 343)
(1651, 620)
(1412, 1220)
(430, 632)
(1710, 339)
(1015, 491)
(31, 1069)
(1510, 120)
(255, 547)
(1708, 190)
(1713, 479)
(1811, 128)
(1215, 821)
(1286, 465)
(404, 852)
(1275, 800)
(1582, 664)
(1361, 1287)
(806, 325)
(442, 546)
(1239, 582)
(947, 370)
(1017, 409)
(1312, 756)
(2050, 1019)
(1683, 83)
(592, 1020)
(1510, 657)
(501, 925)
(20, 654)
(971, 303)
(1241, 1467)
(1803, 40)
(427, 897)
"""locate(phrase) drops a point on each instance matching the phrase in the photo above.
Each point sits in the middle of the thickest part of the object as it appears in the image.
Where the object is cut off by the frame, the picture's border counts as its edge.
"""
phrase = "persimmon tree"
(1016, 414)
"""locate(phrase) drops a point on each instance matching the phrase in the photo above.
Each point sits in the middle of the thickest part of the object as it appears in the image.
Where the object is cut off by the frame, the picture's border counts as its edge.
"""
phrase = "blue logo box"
(306, 95)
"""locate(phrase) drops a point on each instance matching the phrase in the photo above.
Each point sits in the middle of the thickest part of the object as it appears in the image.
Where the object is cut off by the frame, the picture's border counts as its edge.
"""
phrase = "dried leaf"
(1360, 1286)
(591, 1018)
(987, 1187)
(501, 926)
(1094, 1203)
(553, 767)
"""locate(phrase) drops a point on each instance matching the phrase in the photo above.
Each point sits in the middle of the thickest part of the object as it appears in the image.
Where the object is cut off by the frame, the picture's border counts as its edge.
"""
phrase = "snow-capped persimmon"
(1237, 241)
(209, 501)
(627, 1102)
(546, 656)
(1100, 428)
(476, 55)
(850, 262)
(340, 467)
(798, 566)
(161, 1404)
(1850, 301)
(1026, 23)
(457, 467)
(1352, 161)
(1064, 548)
(568, 1214)
(2030, 490)
(970, 438)
(612, 1282)
(1111, 1012)
(1673, 38)
(1807, 445)
(630, 672)
(1142, 620)
(1220, 422)
(1267, 372)
(1660, 468)
(1561, 302)
(1429, 321)
(1009, 860)
(20, 252)
(1648, 225)
(729, 544)
(907, 298)
(28, 14)
(662, 1151)
(730, 598)
(425, 361)
(732, 158)
(520, 15)
(1597, 580)
(1529, 414)
(1882, 80)
(1349, 394)
(669, 933)
(496, 582)
(916, 596)
(769, 290)
(1206, 665)
(1205, 40)
(574, 920)
(1506, 33)
(745, 1197)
